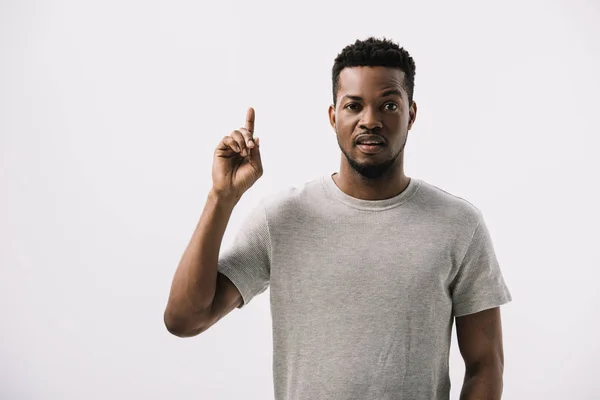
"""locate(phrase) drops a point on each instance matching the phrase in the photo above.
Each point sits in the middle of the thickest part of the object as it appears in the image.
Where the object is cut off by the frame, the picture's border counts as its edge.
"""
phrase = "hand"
(237, 164)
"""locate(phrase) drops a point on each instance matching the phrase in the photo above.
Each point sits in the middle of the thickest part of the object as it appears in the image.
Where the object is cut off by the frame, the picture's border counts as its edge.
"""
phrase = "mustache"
(370, 132)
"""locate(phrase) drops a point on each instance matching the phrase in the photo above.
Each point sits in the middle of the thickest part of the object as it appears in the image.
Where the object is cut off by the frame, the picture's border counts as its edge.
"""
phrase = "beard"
(372, 171)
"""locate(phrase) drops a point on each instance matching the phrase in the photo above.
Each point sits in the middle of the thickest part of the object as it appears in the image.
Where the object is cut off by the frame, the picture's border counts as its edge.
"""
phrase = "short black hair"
(373, 52)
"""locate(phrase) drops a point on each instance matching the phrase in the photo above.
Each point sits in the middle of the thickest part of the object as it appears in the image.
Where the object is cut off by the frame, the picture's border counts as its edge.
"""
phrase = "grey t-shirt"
(363, 293)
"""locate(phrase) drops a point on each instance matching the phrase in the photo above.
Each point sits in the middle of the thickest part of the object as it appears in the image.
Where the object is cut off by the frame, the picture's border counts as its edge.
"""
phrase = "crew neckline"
(373, 205)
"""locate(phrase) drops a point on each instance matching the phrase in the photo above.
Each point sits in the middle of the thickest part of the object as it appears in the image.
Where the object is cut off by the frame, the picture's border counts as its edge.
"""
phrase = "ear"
(332, 116)
(412, 114)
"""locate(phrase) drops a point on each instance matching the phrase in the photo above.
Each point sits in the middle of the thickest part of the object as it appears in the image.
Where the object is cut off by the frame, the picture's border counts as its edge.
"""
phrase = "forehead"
(362, 80)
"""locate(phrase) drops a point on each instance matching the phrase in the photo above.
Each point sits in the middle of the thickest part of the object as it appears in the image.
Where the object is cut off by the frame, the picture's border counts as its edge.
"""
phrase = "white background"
(109, 115)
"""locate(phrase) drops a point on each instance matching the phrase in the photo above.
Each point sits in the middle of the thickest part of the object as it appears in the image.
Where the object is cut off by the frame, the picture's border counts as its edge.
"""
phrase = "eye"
(391, 106)
(352, 106)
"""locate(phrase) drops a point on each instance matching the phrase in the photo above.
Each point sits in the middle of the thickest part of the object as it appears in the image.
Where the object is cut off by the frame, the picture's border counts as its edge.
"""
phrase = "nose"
(370, 119)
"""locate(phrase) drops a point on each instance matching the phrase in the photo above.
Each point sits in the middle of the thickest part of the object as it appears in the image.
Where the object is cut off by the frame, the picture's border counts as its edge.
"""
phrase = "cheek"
(345, 125)
(398, 122)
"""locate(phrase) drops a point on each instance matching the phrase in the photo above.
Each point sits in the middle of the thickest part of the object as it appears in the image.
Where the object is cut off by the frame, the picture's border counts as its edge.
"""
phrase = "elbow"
(175, 328)
(183, 327)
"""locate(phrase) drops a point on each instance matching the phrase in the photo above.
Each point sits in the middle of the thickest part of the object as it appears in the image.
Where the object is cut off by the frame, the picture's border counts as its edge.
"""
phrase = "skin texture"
(372, 100)
(480, 342)
(200, 295)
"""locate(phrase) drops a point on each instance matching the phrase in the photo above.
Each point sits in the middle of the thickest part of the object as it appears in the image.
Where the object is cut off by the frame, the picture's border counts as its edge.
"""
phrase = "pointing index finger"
(250, 119)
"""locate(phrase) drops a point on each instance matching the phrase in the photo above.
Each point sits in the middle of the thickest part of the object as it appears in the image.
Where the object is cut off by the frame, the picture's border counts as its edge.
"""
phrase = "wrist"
(221, 199)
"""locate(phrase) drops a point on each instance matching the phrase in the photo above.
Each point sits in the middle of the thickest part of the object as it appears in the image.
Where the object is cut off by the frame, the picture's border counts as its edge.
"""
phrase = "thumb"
(255, 153)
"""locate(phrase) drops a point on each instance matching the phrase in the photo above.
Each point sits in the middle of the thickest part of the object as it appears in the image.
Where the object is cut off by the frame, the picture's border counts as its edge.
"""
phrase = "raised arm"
(480, 342)
(200, 295)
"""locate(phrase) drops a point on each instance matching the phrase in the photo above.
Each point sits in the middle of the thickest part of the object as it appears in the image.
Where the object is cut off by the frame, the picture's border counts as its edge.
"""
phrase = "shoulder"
(447, 206)
(294, 199)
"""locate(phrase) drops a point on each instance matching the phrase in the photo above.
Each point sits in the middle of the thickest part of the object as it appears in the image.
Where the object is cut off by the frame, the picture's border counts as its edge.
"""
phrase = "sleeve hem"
(238, 281)
(474, 307)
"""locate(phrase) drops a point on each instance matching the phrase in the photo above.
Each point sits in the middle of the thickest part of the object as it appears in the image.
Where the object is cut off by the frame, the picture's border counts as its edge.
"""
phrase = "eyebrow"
(392, 92)
(384, 94)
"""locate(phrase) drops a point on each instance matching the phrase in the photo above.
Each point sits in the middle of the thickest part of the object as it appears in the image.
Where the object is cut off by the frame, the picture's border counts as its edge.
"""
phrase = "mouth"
(370, 143)
(370, 147)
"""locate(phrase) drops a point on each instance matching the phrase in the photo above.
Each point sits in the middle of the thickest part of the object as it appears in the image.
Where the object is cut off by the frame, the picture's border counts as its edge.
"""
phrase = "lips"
(372, 140)
(370, 149)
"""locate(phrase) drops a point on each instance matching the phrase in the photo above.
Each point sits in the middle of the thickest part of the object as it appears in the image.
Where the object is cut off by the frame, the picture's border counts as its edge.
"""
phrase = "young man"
(368, 268)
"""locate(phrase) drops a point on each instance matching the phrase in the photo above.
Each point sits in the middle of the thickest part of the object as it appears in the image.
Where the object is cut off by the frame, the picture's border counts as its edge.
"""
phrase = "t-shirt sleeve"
(247, 262)
(479, 284)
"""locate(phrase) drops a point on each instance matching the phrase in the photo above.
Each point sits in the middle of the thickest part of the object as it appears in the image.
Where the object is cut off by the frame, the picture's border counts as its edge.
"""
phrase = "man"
(368, 268)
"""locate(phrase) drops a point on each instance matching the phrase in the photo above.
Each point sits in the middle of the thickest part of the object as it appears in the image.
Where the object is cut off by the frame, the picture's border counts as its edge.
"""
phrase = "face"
(372, 106)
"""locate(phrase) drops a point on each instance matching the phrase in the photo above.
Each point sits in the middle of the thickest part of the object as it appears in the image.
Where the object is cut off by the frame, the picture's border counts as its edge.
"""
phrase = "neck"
(390, 184)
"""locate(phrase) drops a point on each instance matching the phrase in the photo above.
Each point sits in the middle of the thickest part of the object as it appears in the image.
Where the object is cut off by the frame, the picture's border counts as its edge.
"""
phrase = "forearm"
(194, 283)
(483, 383)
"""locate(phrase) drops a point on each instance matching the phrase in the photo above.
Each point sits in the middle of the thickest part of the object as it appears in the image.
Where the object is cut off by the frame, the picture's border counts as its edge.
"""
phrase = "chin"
(371, 170)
